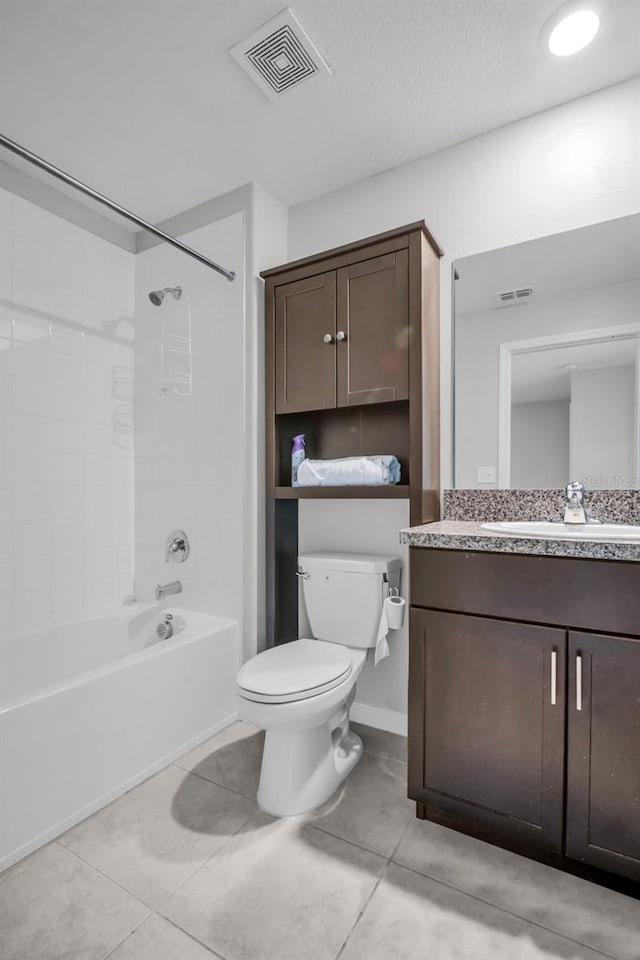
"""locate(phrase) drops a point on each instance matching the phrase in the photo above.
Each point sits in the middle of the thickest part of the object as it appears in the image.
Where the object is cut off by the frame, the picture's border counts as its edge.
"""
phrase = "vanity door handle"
(578, 682)
(554, 678)
(328, 338)
(341, 335)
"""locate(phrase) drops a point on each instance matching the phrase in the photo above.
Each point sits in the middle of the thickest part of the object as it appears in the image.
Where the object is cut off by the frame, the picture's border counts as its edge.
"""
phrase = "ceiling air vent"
(514, 296)
(280, 55)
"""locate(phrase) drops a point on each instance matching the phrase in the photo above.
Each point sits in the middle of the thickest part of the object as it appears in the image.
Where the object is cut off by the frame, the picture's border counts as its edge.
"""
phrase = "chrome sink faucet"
(574, 509)
(166, 589)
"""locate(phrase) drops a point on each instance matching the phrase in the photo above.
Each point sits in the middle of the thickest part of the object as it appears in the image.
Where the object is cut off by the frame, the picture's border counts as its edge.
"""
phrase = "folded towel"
(375, 471)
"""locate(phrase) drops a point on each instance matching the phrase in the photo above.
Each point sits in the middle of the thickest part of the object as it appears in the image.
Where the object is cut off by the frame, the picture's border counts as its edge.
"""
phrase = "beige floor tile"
(411, 917)
(381, 742)
(231, 758)
(54, 907)
(371, 807)
(154, 837)
(280, 890)
(586, 912)
(157, 939)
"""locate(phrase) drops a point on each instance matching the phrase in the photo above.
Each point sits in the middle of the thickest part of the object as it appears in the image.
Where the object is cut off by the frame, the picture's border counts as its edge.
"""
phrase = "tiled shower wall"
(190, 437)
(66, 446)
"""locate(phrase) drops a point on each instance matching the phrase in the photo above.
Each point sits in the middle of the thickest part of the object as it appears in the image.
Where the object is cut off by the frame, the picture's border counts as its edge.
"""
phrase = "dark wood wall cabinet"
(352, 361)
(524, 718)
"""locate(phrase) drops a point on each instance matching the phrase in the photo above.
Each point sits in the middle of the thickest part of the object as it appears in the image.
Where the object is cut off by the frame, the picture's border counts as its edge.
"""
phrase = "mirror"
(547, 362)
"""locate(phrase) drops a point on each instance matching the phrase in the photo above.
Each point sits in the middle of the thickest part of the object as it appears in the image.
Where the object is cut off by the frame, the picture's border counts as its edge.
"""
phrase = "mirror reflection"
(547, 357)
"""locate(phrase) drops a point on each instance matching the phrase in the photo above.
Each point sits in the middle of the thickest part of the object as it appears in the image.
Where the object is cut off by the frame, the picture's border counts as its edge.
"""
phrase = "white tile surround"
(190, 451)
(66, 441)
(71, 514)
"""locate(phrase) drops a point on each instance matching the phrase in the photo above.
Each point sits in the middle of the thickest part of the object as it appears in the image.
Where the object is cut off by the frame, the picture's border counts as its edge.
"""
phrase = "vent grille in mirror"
(509, 296)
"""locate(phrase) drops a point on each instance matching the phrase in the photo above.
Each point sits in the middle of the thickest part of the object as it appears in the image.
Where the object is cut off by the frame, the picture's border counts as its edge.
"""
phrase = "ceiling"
(546, 374)
(595, 256)
(141, 99)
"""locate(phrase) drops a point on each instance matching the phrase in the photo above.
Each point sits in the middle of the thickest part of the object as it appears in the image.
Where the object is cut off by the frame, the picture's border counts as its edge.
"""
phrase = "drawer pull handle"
(578, 682)
(554, 678)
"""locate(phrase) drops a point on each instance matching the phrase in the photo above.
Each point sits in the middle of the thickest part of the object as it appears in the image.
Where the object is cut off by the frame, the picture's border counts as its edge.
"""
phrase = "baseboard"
(391, 720)
(74, 818)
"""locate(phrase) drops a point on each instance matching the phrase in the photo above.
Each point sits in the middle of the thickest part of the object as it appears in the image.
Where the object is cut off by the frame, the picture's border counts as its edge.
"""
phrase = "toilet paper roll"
(394, 608)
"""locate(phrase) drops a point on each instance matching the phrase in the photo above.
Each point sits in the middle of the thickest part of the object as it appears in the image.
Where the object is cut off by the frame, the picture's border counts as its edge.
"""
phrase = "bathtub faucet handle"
(177, 546)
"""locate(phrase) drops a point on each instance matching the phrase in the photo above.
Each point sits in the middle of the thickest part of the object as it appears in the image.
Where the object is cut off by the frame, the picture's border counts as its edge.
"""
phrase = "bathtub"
(90, 709)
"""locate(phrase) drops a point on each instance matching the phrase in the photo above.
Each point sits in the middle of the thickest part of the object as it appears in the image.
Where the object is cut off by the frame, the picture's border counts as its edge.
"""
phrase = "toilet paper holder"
(395, 606)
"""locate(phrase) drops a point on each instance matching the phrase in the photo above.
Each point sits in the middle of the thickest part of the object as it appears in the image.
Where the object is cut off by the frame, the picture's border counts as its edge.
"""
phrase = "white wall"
(540, 445)
(565, 168)
(603, 427)
(478, 339)
(190, 451)
(267, 247)
(66, 458)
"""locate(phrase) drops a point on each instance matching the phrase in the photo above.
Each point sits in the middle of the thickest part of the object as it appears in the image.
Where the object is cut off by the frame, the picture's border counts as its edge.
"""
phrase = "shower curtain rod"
(100, 198)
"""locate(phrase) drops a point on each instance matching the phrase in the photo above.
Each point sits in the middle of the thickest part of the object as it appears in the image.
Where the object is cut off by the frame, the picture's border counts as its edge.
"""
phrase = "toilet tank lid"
(348, 562)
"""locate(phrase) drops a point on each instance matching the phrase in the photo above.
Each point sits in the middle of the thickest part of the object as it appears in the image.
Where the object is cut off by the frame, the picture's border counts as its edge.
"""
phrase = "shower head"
(157, 296)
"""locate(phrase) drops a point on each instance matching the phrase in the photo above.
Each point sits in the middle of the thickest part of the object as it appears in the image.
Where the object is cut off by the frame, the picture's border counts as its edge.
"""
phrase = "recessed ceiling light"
(573, 32)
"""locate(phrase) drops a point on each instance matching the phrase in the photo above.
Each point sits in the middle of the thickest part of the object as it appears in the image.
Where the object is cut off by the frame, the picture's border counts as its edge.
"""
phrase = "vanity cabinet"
(342, 336)
(524, 703)
(603, 752)
(492, 743)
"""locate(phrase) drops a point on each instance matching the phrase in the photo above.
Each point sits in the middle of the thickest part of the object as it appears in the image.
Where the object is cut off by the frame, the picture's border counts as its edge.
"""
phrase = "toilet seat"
(295, 671)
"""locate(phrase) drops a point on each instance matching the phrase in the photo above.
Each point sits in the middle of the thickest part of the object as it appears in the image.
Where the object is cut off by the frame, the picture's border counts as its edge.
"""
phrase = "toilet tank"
(344, 592)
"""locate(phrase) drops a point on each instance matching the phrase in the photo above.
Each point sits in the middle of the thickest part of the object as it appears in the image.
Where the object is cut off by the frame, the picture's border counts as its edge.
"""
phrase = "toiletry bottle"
(297, 456)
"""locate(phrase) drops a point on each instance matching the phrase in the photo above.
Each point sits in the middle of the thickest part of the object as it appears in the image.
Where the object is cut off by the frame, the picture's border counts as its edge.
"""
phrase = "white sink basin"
(568, 531)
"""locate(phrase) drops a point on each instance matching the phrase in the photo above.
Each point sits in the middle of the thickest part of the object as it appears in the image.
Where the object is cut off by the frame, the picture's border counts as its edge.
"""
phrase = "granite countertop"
(469, 535)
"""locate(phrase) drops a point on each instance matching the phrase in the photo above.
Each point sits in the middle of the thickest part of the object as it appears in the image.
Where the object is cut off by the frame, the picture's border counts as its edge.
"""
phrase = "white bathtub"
(90, 709)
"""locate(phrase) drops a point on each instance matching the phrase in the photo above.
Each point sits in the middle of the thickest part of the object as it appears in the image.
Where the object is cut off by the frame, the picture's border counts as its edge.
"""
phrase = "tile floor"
(185, 867)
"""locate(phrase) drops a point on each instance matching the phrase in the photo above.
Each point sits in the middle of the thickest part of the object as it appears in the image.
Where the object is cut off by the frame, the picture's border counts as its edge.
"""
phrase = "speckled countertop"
(470, 535)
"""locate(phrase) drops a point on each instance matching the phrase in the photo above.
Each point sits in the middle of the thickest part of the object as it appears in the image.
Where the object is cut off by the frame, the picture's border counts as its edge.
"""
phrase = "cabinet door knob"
(328, 338)
(341, 335)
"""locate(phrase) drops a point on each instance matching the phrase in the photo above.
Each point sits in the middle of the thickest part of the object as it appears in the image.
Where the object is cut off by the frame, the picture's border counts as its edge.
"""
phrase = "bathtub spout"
(166, 589)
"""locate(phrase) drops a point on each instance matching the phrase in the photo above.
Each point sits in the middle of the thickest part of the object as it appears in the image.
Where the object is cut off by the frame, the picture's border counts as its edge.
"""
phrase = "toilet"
(301, 692)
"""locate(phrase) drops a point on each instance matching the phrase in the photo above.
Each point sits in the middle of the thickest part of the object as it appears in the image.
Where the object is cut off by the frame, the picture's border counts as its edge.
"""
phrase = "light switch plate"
(487, 475)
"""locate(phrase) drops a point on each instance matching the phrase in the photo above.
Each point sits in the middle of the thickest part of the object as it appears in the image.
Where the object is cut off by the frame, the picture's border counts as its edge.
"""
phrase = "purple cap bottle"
(297, 456)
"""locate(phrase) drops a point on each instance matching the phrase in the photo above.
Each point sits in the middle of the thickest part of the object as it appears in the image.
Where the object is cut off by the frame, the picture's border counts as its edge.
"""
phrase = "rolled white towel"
(375, 471)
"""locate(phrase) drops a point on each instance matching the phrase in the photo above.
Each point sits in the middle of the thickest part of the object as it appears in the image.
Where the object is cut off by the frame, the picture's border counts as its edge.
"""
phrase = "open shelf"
(359, 431)
(399, 491)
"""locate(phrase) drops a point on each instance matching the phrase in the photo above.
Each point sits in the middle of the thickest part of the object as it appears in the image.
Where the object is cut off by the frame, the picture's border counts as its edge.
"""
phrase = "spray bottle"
(297, 456)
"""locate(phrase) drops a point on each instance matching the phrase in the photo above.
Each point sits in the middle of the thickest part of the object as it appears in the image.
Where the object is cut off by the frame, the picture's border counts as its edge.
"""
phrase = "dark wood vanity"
(524, 704)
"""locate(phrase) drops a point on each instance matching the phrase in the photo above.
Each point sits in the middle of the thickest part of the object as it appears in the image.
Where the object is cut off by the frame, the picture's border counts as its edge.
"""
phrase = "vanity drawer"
(598, 595)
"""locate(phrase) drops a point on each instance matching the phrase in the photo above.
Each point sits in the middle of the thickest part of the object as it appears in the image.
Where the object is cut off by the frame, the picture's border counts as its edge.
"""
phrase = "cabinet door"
(603, 808)
(305, 364)
(487, 723)
(373, 316)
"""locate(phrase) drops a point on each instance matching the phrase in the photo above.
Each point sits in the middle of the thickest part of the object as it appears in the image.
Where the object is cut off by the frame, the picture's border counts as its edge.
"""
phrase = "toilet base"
(303, 768)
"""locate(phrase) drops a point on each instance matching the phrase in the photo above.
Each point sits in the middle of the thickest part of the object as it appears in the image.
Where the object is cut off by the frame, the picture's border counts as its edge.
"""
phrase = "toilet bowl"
(300, 693)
